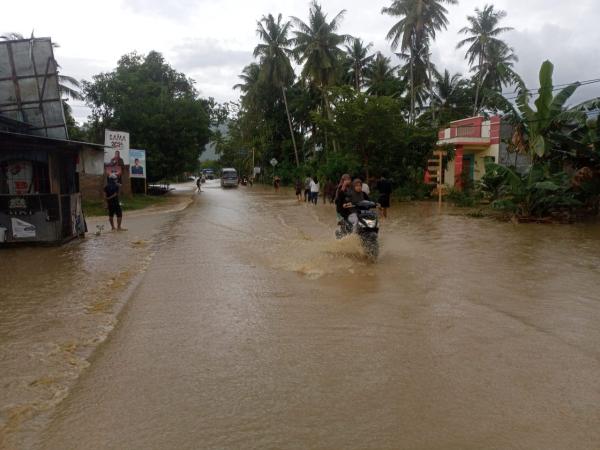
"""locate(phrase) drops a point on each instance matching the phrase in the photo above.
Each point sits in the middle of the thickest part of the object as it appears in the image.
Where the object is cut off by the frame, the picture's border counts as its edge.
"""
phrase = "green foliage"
(537, 193)
(158, 106)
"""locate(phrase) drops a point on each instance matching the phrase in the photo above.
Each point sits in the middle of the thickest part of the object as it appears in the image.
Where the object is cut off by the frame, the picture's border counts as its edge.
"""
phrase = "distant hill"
(209, 153)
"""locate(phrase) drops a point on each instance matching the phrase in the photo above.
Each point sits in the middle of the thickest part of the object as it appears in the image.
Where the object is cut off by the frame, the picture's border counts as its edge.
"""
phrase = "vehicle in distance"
(229, 177)
(209, 174)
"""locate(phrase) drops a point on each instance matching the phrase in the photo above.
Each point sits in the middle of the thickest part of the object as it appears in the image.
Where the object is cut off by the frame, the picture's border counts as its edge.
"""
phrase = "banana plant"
(536, 125)
(536, 193)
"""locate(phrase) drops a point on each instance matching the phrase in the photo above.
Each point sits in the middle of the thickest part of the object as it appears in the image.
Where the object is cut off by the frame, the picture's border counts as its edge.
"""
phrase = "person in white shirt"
(365, 188)
(314, 190)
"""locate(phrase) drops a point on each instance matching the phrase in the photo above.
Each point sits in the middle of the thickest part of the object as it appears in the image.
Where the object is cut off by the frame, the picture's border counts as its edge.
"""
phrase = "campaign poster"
(116, 148)
(137, 163)
(19, 176)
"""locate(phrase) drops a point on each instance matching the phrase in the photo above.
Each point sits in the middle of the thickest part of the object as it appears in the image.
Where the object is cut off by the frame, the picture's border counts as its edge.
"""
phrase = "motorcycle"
(367, 228)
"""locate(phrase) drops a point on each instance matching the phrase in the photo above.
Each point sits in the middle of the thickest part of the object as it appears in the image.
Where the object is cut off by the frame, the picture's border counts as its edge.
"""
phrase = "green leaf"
(561, 98)
(545, 91)
(546, 186)
(539, 145)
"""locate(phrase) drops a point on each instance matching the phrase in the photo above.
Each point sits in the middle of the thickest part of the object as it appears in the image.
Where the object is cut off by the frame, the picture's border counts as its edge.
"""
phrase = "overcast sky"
(211, 41)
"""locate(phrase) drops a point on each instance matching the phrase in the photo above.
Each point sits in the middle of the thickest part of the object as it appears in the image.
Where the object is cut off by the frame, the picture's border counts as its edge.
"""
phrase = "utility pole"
(291, 128)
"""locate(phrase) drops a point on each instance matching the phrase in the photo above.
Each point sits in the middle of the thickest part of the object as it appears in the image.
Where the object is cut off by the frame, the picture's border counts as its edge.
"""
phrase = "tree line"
(350, 107)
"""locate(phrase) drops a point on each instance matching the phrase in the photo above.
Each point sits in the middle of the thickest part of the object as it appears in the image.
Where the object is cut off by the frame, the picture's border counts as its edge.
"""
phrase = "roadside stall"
(40, 199)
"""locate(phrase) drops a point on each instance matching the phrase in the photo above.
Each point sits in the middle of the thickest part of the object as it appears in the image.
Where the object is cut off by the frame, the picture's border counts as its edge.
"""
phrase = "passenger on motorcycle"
(354, 197)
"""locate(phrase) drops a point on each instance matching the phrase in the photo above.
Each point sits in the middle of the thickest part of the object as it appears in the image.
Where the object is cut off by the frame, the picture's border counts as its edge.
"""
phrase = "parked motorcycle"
(367, 228)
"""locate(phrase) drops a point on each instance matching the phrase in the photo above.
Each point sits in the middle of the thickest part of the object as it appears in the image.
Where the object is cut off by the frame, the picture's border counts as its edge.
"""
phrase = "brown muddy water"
(253, 328)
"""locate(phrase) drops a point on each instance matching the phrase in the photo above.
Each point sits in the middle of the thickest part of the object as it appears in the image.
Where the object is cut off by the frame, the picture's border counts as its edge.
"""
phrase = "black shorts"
(384, 200)
(114, 209)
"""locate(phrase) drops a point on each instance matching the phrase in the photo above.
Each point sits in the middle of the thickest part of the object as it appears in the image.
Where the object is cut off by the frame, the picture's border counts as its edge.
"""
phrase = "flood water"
(252, 327)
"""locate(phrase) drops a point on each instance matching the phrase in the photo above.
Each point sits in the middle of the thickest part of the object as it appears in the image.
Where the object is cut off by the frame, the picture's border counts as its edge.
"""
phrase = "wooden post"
(440, 166)
(440, 180)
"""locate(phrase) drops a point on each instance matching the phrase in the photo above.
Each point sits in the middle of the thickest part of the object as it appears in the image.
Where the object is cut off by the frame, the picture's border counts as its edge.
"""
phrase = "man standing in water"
(384, 186)
(111, 192)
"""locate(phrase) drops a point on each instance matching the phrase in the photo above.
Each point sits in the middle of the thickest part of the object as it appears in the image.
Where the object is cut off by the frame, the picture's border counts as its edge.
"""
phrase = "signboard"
(19, 176)
(256, 170)
(137, 163)
(22, 229)
(29, 86)
(274, 162)
(116, 151)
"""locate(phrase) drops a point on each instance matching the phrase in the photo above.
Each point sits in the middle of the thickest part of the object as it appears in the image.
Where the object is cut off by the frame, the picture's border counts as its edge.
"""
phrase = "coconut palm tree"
(274, 52)
(484, 44)
(380, 77)
(358, 58)
(250, 76)
(68, 86)
(317, 45)
(450, 96)
(317, 48)
(420, 20)
(417, 71)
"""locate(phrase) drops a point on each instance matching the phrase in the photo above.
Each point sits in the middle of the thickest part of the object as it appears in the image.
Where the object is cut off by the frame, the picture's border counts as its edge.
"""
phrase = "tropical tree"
(420, 20)
(274, 52)
(317, 48)
(450, 96)
(358, 58)
(486, 50)
(381, 79)
(157, 105)
(539, 125)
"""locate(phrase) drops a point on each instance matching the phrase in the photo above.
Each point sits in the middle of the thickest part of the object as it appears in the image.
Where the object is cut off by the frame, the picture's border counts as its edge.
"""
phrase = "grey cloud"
(203, 53)
(571, 54)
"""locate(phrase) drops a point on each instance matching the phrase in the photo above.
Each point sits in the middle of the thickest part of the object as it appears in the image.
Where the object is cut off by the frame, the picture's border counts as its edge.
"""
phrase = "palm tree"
(250, 77)
(419, 22)
(417, 72)
(484, 43)
(450, 95)
(380, 77)
(317, 48)
(68, 86)
(274, 53)
(358, 58)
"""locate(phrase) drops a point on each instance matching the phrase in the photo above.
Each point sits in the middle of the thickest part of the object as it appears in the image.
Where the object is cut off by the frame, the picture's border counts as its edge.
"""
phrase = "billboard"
(29, 87)
(137, 163)
(116, 148)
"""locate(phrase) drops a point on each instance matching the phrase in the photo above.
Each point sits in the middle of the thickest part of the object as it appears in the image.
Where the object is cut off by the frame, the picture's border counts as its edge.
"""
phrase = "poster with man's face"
(116, 150)
(137, 163)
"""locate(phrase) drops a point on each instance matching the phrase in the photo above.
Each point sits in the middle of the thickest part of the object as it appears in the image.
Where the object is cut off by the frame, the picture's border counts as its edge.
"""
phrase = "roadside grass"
(93, 208)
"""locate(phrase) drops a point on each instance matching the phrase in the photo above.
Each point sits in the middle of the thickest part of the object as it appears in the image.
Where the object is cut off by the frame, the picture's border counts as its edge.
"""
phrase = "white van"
(229, 178)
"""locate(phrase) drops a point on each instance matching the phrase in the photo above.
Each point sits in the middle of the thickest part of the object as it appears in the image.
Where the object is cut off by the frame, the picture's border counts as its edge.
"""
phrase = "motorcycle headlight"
(371, 223)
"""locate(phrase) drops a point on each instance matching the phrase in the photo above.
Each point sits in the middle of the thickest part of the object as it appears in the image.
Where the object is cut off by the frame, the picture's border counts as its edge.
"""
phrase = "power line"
(555, 88)
(582, 83)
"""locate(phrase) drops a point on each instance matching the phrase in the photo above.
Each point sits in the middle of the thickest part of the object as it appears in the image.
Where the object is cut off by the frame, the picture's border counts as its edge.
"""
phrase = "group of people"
(345, 192)
(350, 192)
(310, 190)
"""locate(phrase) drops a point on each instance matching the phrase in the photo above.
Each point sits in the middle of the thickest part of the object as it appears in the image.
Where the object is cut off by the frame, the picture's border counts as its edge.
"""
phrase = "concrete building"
(475, 139)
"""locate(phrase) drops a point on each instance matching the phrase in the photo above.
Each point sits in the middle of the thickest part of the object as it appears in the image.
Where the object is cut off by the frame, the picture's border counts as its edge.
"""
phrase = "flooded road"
(253, 328)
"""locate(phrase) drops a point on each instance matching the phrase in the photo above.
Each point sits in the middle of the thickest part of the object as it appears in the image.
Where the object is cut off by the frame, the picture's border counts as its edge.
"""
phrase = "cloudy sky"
(212, 40)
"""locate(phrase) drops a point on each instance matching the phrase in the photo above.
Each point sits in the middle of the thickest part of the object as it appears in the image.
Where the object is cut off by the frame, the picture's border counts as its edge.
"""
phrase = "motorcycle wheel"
(371, 247)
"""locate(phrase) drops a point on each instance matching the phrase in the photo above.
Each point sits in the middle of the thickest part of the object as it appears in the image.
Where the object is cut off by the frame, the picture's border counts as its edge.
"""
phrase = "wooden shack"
(40, 199)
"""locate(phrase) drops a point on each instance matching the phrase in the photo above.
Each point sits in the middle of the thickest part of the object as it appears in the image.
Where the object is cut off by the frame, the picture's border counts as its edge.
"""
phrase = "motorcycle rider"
(341, 193)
